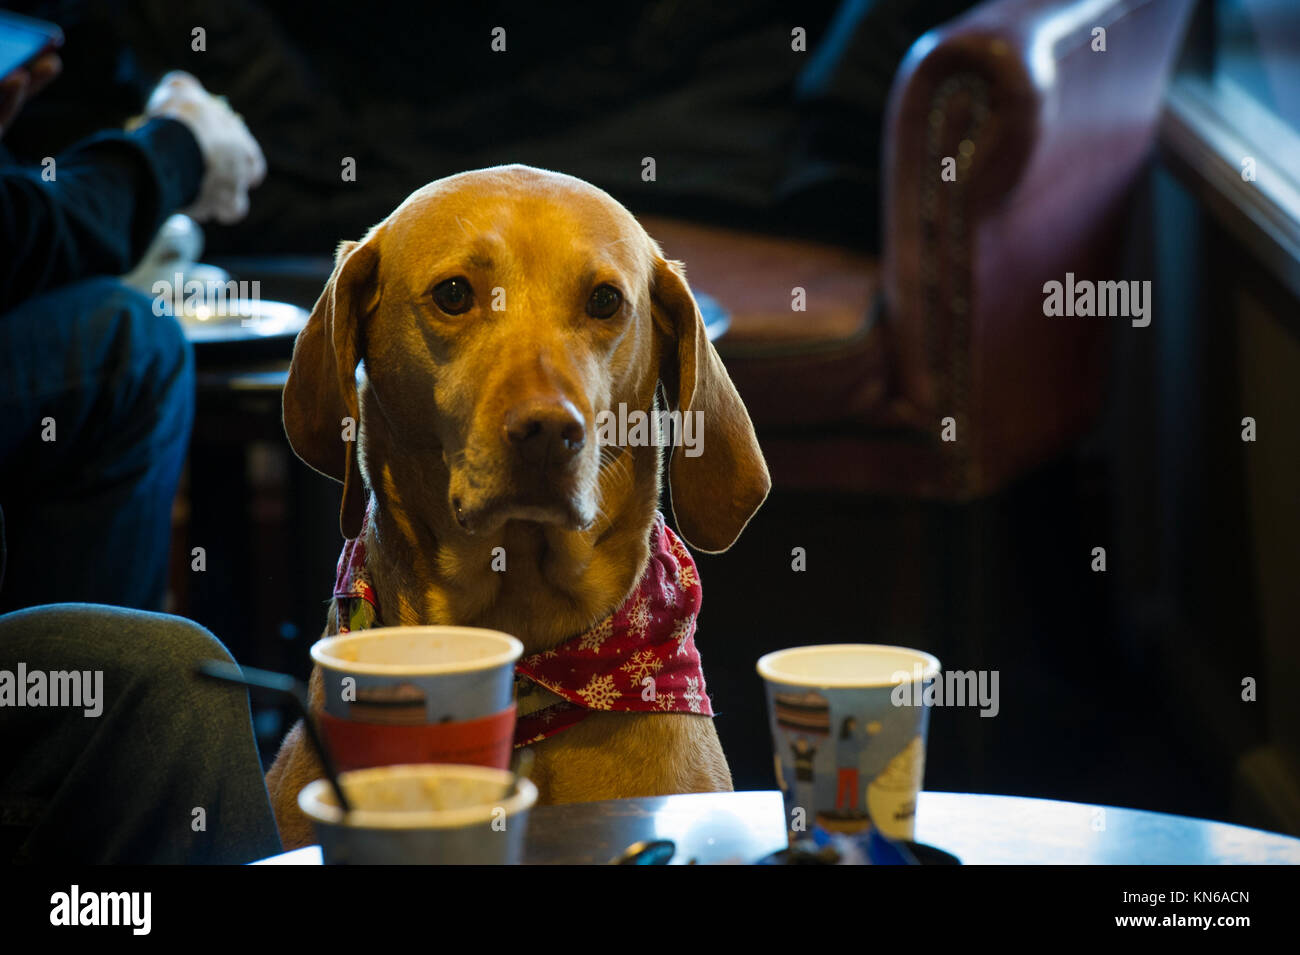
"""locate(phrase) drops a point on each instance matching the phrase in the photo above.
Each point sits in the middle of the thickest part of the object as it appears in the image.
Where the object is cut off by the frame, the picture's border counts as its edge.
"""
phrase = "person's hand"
(233, 161)
(21, 85)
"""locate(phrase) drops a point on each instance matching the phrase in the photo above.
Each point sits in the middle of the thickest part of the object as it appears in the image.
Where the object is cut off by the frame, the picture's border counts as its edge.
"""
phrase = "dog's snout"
(545, 429)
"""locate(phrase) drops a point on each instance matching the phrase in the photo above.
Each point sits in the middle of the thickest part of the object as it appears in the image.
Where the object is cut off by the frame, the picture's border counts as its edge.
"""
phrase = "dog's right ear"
(321, 412)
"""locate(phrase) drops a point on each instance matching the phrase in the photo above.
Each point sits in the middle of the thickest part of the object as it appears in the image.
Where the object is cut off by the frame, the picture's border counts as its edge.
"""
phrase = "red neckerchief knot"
(640, 659)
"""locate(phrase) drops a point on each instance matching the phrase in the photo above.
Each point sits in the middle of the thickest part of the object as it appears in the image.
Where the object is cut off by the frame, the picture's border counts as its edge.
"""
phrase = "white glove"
(233, 162)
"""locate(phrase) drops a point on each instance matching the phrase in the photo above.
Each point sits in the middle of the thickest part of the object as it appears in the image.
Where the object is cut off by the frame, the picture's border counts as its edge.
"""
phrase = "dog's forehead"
(550, 216)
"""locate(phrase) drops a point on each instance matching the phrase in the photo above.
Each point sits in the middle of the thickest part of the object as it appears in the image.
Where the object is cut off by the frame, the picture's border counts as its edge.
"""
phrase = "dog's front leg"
(295, 766)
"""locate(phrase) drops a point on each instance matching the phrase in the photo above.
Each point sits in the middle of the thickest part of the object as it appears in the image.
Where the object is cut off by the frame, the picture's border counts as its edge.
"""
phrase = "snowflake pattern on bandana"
(684, 630)
(593, 638)
(600, 693)
(651, 637)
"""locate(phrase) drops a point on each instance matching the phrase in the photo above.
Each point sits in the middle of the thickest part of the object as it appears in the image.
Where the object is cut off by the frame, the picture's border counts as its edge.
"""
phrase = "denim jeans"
(167, 772)
(87, 515)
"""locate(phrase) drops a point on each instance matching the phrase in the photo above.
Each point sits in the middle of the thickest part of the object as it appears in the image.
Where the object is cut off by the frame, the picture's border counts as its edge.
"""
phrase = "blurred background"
(819, 167)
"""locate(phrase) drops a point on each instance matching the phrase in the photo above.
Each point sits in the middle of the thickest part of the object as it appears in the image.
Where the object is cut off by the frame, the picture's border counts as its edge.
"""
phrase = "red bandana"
(640, 659)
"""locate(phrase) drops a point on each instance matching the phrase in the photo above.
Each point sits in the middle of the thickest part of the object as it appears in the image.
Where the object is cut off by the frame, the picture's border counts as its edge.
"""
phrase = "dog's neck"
(539, 582)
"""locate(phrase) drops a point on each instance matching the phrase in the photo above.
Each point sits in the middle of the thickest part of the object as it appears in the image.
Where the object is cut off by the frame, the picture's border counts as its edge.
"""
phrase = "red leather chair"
(1048, 136)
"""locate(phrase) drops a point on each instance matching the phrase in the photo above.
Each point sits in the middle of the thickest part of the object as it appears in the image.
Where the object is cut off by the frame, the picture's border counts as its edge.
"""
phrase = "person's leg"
(166, 772)
(844, 794)
(96, 407)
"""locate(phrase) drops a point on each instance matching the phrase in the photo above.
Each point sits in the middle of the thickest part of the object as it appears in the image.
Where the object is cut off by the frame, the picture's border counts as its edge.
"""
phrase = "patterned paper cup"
(849, 728)
(422, 815)
(419, 695)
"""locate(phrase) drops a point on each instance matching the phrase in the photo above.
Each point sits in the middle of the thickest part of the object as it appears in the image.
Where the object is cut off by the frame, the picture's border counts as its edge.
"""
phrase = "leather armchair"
(1048, 136)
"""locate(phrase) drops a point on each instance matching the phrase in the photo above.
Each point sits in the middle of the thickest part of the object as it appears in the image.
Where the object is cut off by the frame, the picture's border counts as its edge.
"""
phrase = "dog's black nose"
(545, 429)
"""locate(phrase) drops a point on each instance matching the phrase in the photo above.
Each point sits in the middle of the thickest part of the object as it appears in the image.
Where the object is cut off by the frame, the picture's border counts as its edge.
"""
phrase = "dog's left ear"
(716, 492)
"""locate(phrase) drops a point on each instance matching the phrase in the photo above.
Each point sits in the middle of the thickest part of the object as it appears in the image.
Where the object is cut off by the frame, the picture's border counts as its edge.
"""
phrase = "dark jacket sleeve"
(107, 198)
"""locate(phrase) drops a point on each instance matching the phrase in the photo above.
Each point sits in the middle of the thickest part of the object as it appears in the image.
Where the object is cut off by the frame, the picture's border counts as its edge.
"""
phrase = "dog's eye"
(604, 301)
(454, 296)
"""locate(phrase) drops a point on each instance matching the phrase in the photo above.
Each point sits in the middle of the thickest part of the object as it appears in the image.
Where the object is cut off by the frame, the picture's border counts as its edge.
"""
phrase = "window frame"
(1208, 126)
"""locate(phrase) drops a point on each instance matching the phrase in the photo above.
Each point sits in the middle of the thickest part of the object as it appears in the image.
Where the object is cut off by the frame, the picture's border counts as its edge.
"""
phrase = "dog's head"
(508, 320)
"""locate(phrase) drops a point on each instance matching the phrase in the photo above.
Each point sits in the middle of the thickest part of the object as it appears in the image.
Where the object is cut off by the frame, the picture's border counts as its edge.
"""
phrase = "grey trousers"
(164, 769)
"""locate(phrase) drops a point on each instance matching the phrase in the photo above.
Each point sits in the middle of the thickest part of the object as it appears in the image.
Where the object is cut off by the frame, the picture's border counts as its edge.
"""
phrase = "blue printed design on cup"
(849, 757)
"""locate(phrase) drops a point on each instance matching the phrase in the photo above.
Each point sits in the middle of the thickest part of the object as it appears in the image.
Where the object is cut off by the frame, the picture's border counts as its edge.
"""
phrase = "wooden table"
(719, 828)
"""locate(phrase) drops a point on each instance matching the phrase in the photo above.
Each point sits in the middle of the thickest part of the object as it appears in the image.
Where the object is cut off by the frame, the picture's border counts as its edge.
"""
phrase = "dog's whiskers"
(609, 456)
(618, 468)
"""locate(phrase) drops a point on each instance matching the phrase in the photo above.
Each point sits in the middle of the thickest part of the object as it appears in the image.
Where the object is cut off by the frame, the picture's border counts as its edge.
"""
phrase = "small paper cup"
(413, 675)
(418, 815)
(399, 695)
(849, 729)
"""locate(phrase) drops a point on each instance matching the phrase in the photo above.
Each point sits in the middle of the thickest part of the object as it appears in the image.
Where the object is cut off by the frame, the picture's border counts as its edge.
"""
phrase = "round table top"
(720, 828)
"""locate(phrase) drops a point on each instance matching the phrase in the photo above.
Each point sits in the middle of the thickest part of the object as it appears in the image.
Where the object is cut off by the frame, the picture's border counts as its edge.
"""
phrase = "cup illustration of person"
(848, 813)
(804, 777)
(846, 761)
(803, 720)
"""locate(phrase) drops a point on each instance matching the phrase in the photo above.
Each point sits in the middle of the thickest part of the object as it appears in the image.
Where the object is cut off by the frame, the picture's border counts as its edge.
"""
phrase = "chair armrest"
(1048, 135)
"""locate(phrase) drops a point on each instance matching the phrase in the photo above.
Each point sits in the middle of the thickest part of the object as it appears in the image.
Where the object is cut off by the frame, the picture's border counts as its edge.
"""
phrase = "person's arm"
(105, 199)
(107, 196)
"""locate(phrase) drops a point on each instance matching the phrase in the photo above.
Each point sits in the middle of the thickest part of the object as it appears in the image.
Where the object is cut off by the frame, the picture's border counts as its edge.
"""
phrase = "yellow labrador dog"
(497, 313)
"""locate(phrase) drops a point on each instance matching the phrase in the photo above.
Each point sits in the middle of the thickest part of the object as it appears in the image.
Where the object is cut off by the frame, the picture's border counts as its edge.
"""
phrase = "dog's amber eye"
(604, 302)
(454, 296)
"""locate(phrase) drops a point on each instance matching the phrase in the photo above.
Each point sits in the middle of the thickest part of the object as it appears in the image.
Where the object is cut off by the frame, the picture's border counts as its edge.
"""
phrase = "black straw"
(286, 686)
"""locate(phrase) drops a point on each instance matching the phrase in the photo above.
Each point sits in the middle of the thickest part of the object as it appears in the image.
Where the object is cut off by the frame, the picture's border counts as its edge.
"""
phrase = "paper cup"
(419, 694)
(849, 728)
(409, 675)
(422, 815)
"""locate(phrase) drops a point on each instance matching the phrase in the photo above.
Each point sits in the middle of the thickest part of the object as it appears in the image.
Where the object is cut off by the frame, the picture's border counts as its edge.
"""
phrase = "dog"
(495, 314)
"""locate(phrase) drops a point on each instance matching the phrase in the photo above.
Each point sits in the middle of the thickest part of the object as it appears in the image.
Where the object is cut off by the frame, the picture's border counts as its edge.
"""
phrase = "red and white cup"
(404, 695)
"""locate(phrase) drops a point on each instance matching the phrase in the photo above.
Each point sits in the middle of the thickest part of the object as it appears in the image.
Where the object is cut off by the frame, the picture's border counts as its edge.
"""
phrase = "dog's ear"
(321, 413)
(716, 492)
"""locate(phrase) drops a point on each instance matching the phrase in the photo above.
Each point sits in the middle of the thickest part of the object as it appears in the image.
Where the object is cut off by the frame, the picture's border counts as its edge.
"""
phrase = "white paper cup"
(849, 731)
(406, 675)
(422, 814)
